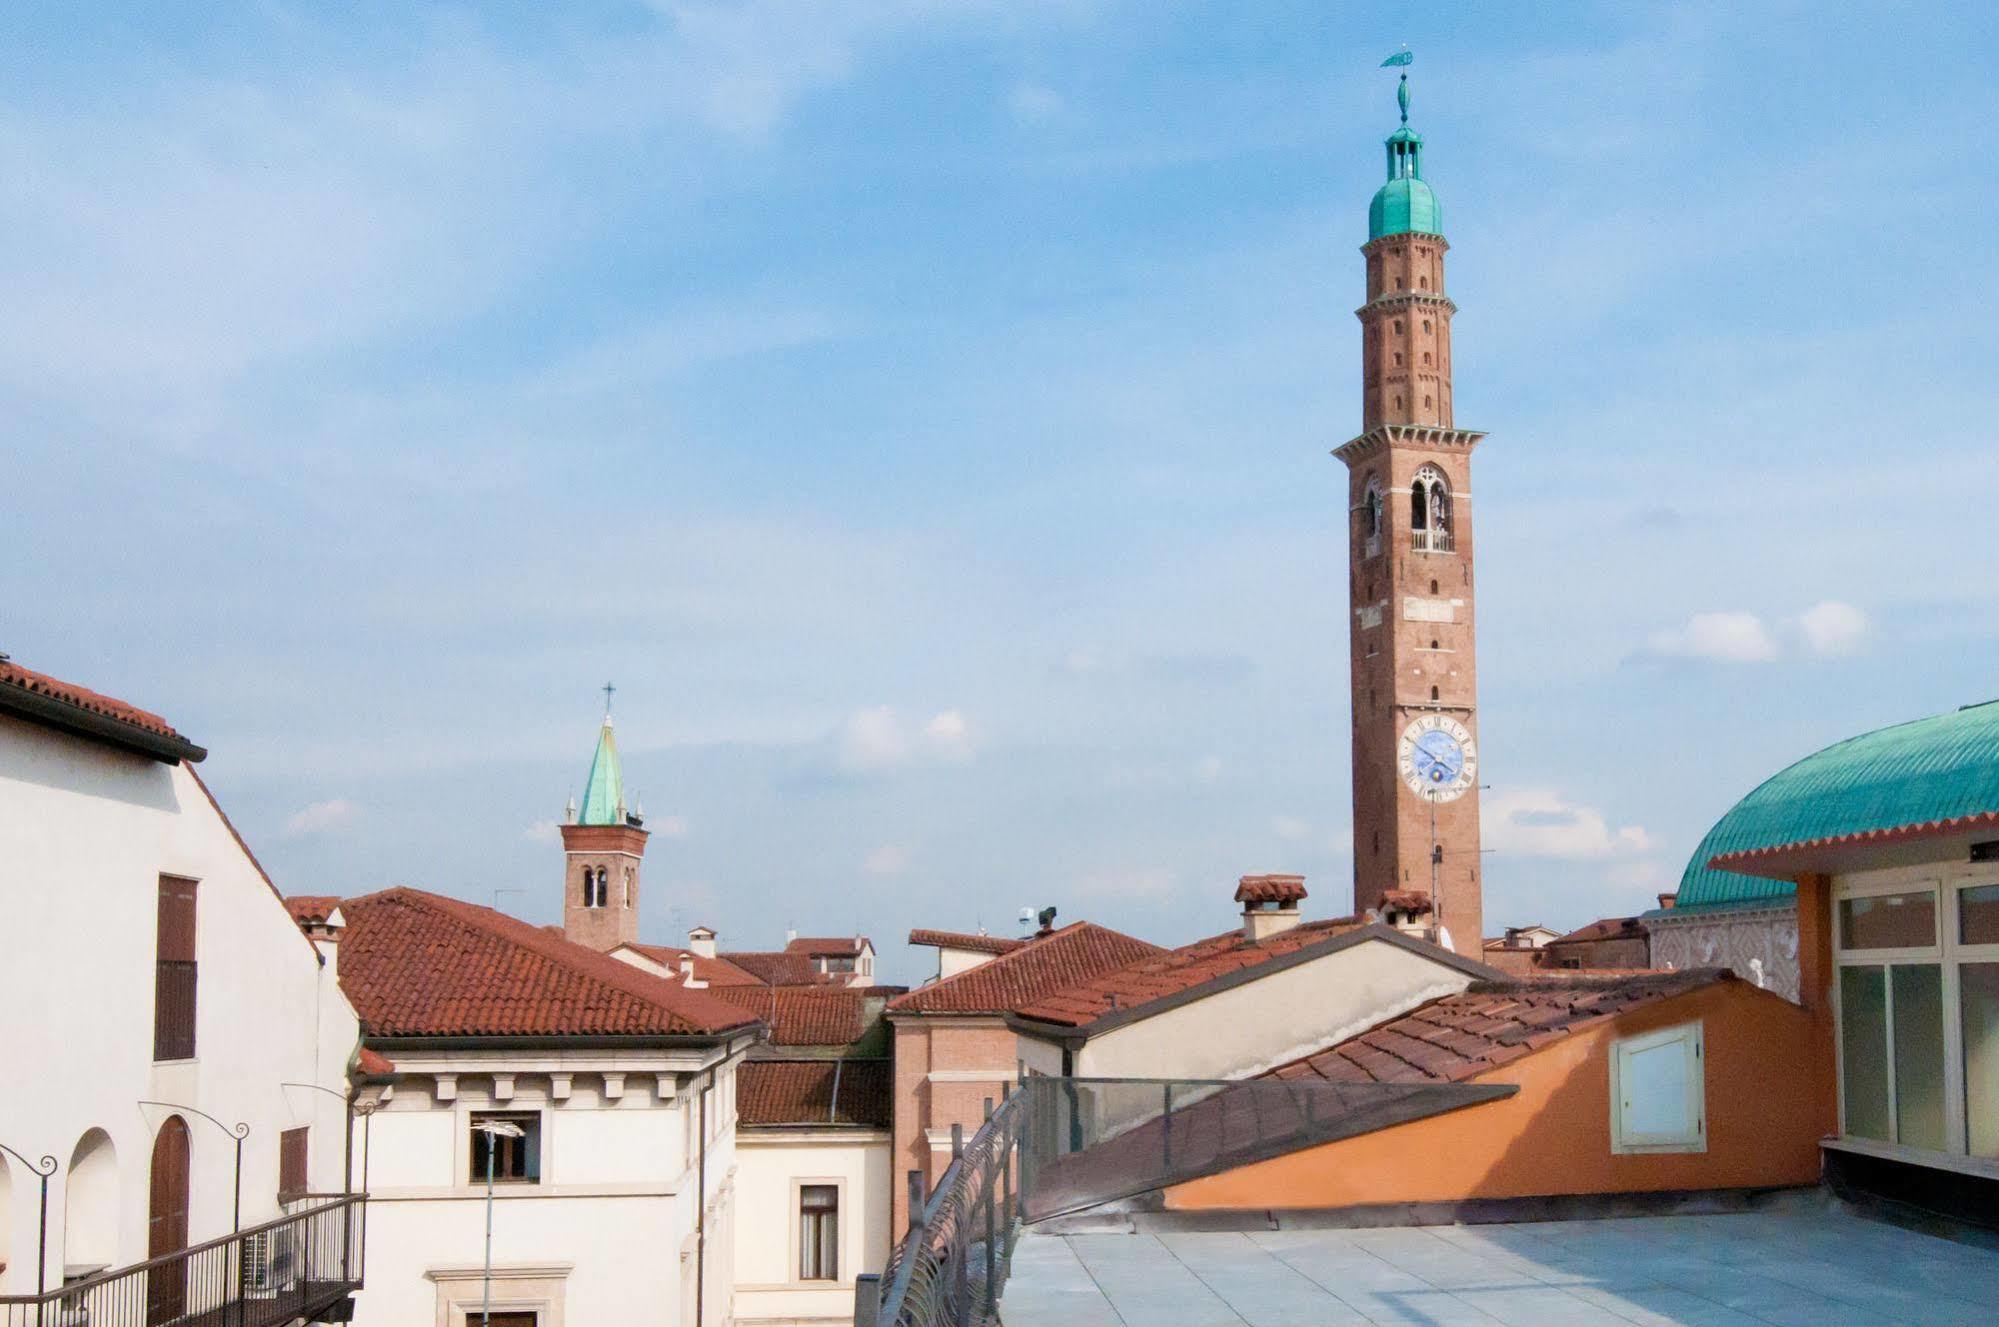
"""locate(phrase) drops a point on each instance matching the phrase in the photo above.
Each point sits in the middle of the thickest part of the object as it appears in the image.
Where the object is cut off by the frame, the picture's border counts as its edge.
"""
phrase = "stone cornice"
(1405, 237)
(1404, 299)
(1426, 436)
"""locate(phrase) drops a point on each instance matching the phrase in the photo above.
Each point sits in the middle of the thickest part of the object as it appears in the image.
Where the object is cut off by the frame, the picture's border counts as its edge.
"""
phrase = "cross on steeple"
(608, 689)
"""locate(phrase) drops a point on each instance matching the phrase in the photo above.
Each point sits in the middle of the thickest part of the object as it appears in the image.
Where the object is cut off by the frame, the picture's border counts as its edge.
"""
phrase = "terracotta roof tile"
(825, 946)
(717, 972)
(1282, 889)
(83, 698)
(776, 968)
(803, 1015)
(311, 909)
(1489, 1024)
(1173, 971)
(1608, 928)
(1044, 965)
(374, 1064)
(420, 965)
(851, 1092)
(983, 944)
(1406, 900)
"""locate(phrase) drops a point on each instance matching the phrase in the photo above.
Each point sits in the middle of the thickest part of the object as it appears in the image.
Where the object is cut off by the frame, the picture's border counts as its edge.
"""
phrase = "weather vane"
(1402, 59)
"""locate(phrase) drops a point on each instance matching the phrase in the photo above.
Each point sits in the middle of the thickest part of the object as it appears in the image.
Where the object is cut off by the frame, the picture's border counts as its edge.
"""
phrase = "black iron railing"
(297, 1266)
(1057, 1146)
(949, 1269)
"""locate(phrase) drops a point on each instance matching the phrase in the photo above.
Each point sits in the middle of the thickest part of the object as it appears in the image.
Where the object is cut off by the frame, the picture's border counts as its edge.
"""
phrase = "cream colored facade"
(617, 1229)
(773, 1165)
(86, 832)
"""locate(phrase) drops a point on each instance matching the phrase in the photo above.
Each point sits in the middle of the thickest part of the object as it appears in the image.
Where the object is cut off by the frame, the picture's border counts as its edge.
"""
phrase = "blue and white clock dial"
(1438, 758)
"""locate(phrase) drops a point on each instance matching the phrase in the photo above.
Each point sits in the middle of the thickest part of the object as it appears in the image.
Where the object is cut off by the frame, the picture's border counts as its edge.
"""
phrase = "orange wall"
(1553, 1137)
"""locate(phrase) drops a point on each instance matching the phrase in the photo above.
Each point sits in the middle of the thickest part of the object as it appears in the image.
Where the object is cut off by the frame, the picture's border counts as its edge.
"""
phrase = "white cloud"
(889, 859)
(878, 740)
(1538, 822)
(1722, 637)
(1833, 627)
(949, 735)
(1290, 828)
(320, 818)
(1034, 103)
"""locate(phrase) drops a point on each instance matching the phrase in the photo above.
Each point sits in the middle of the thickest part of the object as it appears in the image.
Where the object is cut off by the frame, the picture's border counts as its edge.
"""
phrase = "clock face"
(1438, 758)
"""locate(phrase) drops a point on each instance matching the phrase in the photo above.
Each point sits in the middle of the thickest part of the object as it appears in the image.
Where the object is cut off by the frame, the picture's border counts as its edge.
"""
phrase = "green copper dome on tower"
(1405, 205)
(604, 791)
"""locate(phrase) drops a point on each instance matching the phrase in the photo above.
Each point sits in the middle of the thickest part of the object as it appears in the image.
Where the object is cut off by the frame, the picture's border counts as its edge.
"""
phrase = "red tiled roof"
(1282, 889)
(1176, 971)
(825, 946)
(83, 698)
(852, 1092)
(1608, 928)
(716, 972)
(1038, 969)
(1489, 1024)
(374, 1064)
(774, 968)
(311, 909)
(419, 965)
(979, 944)
(1413, 901)
(803, 1015)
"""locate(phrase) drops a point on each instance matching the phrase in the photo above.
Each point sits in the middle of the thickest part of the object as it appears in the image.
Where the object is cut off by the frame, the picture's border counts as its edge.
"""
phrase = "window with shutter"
(292, 1182)
(174, 977)
(1658, 1092)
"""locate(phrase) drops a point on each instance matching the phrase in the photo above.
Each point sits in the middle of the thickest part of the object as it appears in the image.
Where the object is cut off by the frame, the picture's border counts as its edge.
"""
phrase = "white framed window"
(1658, 1092)
(1917, 1008)
(818, 1232)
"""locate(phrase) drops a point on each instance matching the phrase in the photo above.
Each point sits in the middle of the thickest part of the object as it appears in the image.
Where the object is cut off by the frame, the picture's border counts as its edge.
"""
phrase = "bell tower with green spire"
(1410, 582)
(603, 843)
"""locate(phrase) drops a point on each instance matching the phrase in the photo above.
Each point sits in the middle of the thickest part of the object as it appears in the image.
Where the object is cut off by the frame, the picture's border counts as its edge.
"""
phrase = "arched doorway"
(166, 1222)
(6, 1220)
(90, 1203)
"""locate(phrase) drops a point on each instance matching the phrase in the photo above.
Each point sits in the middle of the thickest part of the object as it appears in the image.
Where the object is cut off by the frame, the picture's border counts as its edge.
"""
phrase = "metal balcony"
(303, 1266)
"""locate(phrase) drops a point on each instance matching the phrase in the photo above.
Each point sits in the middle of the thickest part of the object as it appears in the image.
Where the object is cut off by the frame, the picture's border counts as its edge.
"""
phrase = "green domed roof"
(1404, 207)
(1941, 769)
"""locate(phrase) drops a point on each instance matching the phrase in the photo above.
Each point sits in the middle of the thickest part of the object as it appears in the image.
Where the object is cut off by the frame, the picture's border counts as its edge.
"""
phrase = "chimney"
(701, 940)
(1269, 904)
(1047, 919)
(789, 936)
(1668, 900)
(687, 977)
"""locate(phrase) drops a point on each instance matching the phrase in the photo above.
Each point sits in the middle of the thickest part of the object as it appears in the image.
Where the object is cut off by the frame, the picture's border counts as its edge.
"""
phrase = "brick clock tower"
(602, 845)
(1409, 553)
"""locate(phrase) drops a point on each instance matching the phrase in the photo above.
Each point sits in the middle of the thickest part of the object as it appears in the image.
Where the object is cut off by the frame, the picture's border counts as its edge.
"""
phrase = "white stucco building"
(617, 1201)
(156, 996)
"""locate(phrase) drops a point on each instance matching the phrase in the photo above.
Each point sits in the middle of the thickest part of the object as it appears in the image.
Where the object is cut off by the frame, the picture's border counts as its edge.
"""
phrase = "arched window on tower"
(1430, 511)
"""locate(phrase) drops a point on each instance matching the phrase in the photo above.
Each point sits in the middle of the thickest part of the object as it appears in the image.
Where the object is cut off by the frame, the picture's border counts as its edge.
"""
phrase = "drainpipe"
(701, 1213)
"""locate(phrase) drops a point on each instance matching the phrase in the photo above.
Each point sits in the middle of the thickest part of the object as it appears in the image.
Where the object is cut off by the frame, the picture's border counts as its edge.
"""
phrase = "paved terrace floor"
(1808, 1269)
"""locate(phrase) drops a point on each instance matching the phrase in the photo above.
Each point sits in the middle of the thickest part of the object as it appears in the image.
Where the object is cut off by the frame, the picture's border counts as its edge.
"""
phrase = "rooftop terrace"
(1807, 1264)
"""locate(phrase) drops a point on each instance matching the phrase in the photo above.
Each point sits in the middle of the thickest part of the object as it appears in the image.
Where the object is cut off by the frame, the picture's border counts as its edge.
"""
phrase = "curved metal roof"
(1922, 775)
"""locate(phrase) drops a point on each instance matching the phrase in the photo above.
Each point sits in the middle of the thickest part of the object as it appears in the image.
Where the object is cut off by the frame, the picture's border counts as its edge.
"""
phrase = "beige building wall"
(773, 1164)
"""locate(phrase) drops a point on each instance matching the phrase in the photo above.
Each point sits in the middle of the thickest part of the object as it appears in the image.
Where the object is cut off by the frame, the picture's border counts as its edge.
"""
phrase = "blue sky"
(922, 410)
